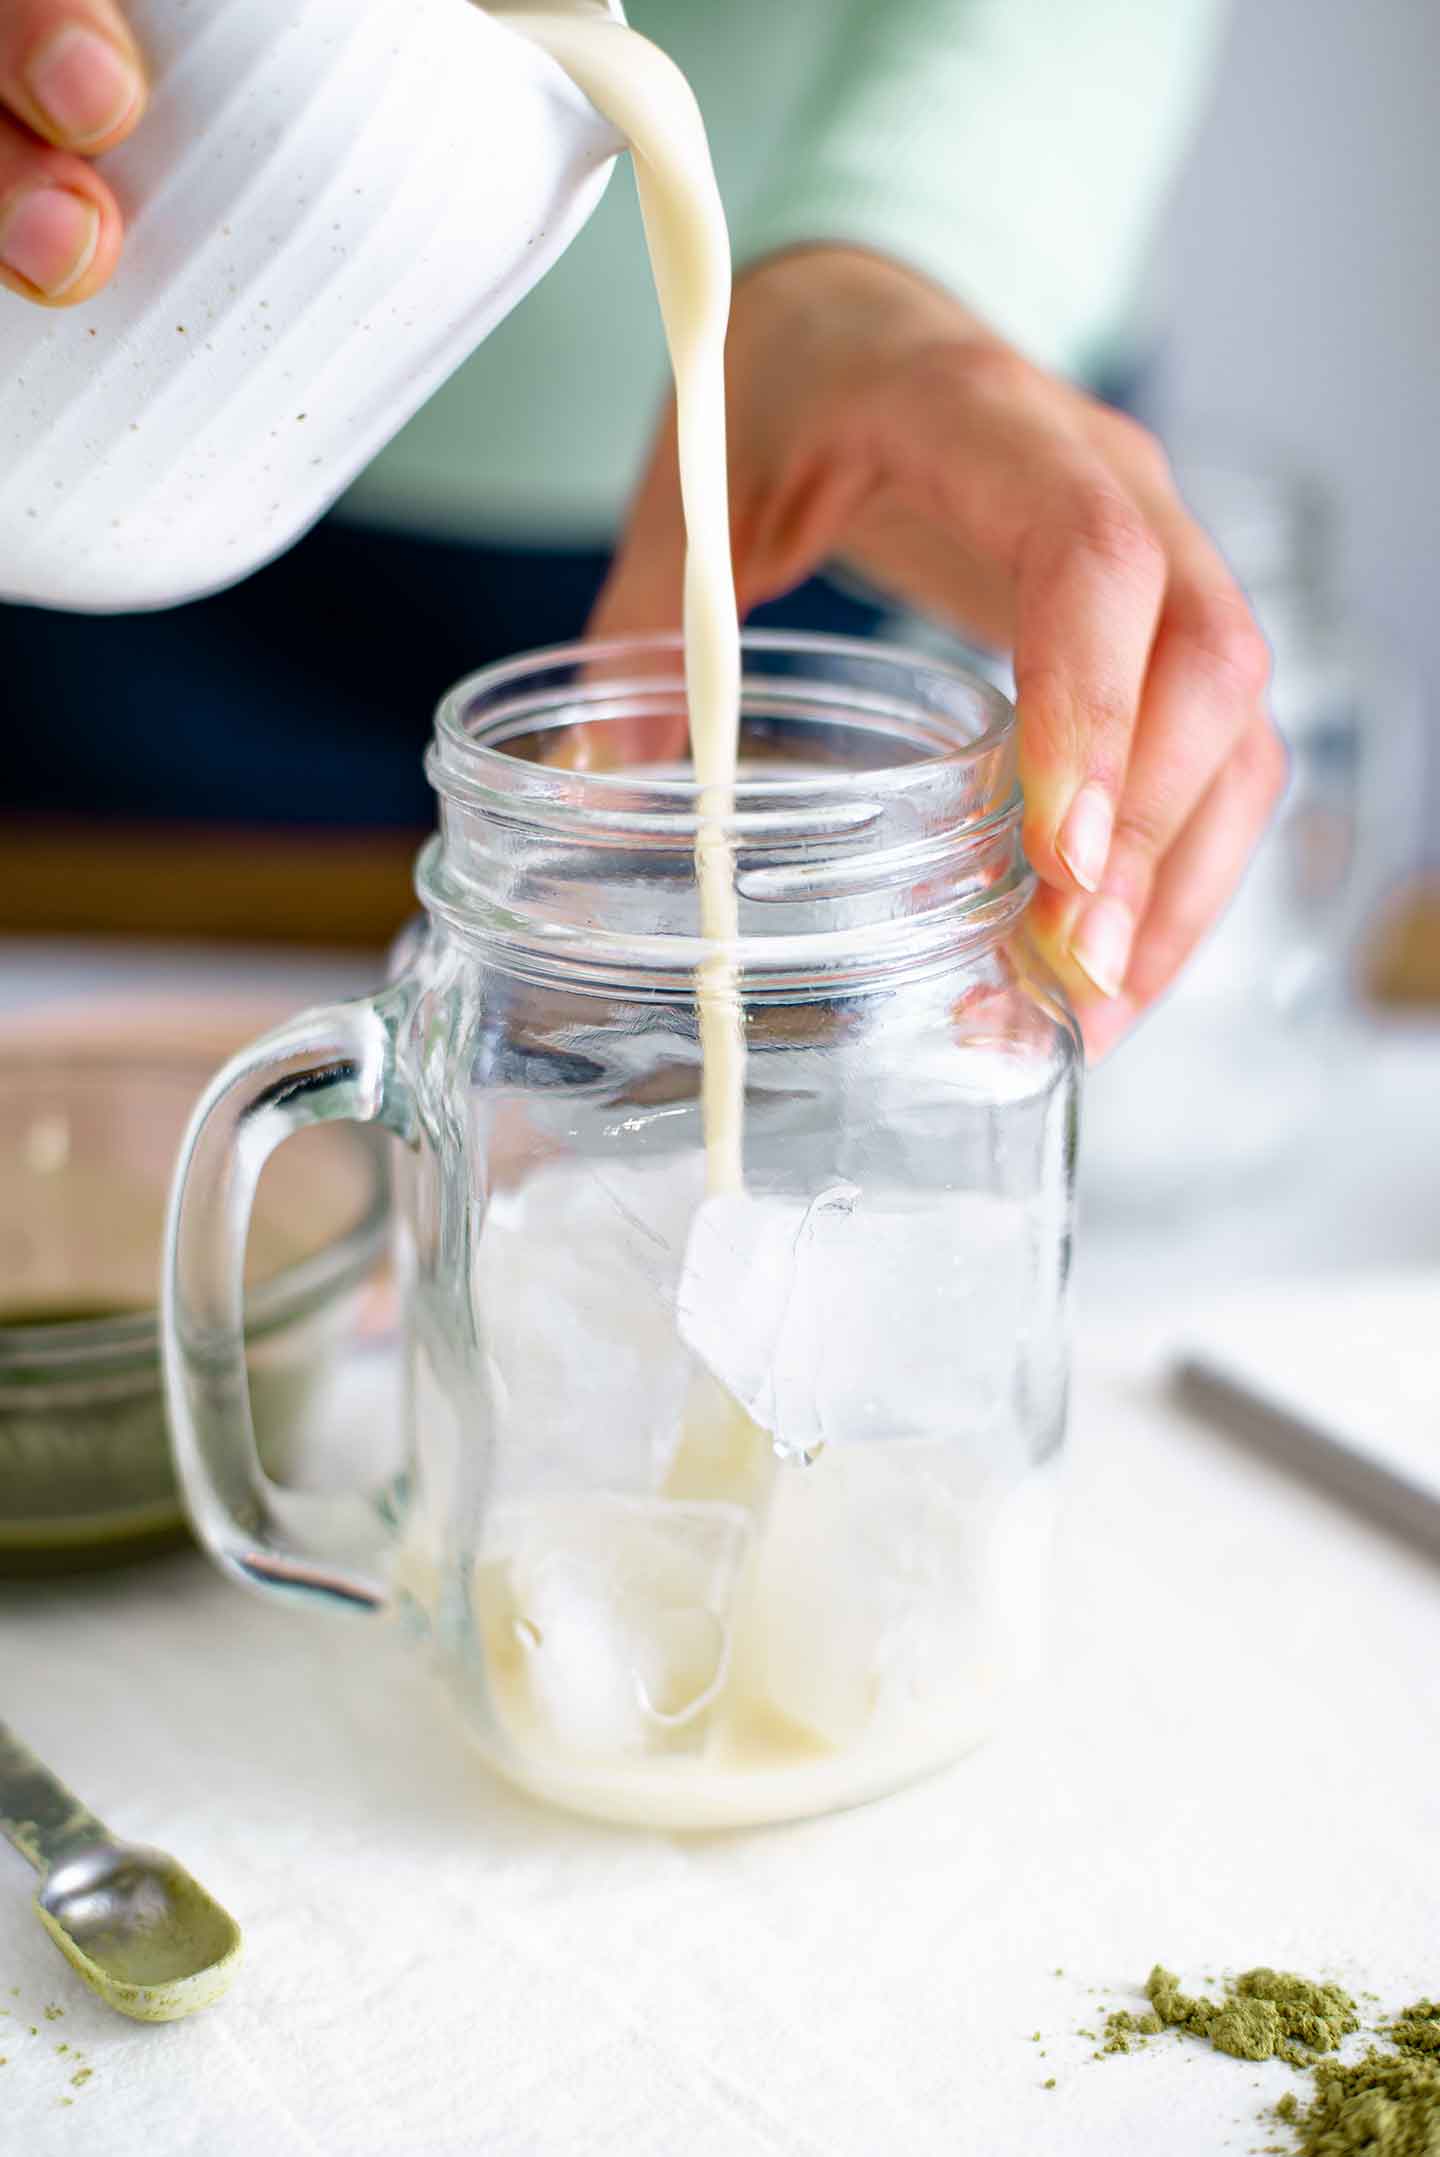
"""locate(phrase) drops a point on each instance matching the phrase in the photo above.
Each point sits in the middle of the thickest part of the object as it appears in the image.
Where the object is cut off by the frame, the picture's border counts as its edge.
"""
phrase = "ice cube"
(752, 1304)
(734, 1285)
(804, 1647)
(859, 1317)
(607, 1621)
(584, 1376)
(892, 1590)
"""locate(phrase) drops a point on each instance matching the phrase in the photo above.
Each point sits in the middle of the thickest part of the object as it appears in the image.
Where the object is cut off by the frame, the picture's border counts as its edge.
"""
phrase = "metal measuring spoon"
(140, 1931)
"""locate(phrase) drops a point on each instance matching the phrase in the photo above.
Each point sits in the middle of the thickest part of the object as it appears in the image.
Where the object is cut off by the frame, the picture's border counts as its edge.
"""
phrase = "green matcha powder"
(1384, 2104)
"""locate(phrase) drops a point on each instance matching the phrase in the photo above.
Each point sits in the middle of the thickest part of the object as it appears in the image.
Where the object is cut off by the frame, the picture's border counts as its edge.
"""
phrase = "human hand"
(873, 418)
(72, 84)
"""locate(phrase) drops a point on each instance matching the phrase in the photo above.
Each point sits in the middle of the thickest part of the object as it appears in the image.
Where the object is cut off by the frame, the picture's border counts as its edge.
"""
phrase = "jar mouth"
(568, 728)
(875, 818)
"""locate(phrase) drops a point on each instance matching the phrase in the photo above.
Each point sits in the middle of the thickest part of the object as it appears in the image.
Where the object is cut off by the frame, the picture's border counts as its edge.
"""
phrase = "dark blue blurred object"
(303, 696)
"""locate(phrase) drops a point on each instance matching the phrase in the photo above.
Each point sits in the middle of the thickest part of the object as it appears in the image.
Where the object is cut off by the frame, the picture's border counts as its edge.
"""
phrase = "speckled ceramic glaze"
(330, 202)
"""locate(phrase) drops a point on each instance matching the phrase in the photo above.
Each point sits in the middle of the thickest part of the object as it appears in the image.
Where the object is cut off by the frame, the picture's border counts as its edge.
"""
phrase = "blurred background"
(229, 834)
(1297, 305)
(1292, 304)
(1294, 301)
(1297, 289)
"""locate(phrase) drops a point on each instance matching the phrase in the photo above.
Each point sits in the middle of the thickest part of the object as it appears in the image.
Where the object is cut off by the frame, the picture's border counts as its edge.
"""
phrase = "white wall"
(1299, 281)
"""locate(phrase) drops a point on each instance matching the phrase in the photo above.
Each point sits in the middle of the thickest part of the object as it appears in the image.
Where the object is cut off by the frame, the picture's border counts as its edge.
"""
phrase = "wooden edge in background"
(280, 885)
(1403, 957)
(292, 884)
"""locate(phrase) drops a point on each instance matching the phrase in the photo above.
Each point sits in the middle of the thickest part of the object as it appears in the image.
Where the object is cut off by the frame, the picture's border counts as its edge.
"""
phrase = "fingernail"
(1101, 944)
(84, 85)
(1084, 841)
(49, 237)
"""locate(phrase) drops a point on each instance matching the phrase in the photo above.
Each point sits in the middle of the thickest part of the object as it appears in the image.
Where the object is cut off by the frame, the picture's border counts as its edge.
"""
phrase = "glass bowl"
(91, 1118)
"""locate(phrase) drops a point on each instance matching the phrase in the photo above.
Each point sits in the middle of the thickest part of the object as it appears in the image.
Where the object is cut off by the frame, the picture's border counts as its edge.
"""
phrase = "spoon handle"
(38, 1814)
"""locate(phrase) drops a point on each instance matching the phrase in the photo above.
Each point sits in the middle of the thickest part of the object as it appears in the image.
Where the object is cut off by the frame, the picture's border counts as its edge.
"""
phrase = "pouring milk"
(721, 1653)
(788, 1587)
(642, 93)
(644, 96)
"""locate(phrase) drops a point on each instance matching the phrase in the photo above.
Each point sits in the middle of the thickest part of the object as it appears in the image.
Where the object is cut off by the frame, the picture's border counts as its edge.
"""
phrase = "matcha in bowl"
(91, 1116)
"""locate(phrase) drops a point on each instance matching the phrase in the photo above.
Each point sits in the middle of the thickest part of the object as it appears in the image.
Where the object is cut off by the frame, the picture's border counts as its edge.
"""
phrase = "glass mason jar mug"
(718, 1506)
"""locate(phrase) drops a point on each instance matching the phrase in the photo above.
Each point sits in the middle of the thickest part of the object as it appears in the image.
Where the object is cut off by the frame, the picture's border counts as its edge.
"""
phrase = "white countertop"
(1233, 1761)
(39, 971)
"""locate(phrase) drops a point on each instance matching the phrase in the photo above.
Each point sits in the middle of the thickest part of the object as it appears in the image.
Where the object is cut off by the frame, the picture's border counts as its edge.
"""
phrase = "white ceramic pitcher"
(329, 204)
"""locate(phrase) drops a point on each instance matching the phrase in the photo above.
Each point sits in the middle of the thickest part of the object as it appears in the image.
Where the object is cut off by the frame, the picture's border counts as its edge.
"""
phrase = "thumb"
(646, 585)
(645, 593)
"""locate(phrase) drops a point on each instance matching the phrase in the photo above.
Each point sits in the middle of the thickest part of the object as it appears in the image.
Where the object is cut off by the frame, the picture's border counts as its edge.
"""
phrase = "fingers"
(1138, 666)
(1205, 683)
(1202, 869)
(72, 85)
(1090, 584)
(60, 227)
(999, 458)
(71, 71)
(1191, 889)
(1139, 669)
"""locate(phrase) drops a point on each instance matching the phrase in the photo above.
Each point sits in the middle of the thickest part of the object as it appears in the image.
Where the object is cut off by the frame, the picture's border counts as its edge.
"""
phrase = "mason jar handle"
(331, 1063)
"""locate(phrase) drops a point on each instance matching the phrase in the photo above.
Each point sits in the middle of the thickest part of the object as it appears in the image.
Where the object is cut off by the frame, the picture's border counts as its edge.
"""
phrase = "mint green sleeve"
(1016, 151)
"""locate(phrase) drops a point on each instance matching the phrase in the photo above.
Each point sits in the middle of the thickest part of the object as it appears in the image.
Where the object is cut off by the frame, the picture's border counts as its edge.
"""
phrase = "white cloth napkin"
(1356, 1358)
(1233, 1762)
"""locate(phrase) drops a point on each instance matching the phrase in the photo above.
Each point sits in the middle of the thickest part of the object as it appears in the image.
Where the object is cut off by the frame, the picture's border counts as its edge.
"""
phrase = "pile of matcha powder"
(1384, 2104)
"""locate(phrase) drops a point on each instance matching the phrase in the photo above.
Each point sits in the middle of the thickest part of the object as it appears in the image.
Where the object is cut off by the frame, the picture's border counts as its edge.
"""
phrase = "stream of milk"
(642, 93)
(756, 1640)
